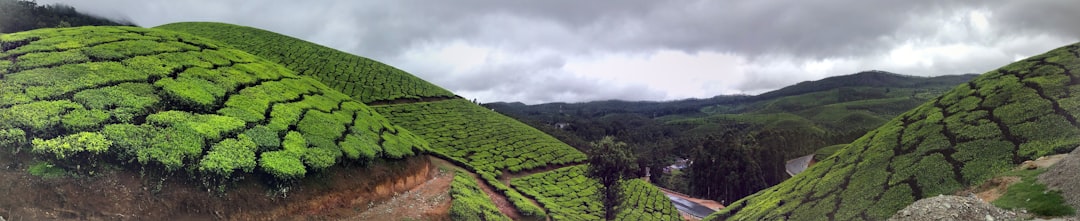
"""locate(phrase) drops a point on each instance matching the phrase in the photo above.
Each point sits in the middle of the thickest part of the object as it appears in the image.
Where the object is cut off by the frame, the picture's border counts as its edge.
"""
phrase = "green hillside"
(571, 195)
(470, 202)
(154, 98)
(486, 143)
(364, 79)
(1021, 111)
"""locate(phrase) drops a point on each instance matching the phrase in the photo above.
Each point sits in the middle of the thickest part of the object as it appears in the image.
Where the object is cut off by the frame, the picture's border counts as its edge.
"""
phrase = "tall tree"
(725, 168)
(610, 162)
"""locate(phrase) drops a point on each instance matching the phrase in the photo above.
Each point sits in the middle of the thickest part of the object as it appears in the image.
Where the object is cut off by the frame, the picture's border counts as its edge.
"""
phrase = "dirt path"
(499, 199)
(427, 201)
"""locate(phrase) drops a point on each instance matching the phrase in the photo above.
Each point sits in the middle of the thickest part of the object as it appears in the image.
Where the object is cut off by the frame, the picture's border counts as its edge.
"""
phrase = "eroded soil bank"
(124, 194)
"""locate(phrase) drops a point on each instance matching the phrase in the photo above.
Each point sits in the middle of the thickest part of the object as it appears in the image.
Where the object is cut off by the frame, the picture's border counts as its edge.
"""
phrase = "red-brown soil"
(124, 194)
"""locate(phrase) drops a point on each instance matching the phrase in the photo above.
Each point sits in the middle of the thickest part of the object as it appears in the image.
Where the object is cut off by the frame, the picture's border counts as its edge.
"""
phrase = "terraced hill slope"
(171, 100)
(364, 79)
(487, 143)
(1004, 117)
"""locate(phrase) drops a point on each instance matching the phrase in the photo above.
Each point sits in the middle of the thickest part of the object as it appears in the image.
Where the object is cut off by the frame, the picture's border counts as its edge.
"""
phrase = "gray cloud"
(529, 44)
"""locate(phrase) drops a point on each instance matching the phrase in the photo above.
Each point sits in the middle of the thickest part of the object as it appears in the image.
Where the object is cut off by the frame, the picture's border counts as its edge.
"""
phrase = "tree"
(725, 168)
(610, 162)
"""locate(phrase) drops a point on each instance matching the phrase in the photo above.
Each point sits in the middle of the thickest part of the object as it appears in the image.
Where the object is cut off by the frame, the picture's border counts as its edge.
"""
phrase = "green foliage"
(83, 119)
(286, 164)
(571, 195)
(63, 147)
(642, 201)
(361, 78)
(1034, 197)
(212, 127)
(469, 202)
(479, 138)
(38, 117)
(230, 155)
(265, 138)
(611, 162)
(960, 139)
(171, 100)
(12, 138)
(125, 101)
(46, 170)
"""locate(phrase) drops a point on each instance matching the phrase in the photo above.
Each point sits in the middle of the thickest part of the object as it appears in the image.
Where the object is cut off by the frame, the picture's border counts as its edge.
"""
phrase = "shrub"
(62, 147)
(40, 117)
(282, 164)
(84, 120)
(265, 138)
(230, 155)
(13, 138)
(195, 93)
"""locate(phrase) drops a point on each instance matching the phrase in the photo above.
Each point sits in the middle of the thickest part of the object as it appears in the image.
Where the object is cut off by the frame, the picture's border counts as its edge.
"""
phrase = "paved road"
(689, 207)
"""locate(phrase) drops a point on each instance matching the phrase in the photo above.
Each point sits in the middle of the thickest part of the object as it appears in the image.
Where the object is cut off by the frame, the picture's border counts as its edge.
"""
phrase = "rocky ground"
(1063, 173)
(954, 208)
(1065, 176)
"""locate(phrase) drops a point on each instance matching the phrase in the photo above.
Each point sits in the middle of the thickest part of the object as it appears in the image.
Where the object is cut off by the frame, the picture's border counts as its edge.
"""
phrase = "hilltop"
(1019, 112)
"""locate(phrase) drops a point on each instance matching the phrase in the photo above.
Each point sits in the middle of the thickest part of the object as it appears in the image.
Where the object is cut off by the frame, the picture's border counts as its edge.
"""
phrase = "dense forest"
(21, 15)
(746, 138)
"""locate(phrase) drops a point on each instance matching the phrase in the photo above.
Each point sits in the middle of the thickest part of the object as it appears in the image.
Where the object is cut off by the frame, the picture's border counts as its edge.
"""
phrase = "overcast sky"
(571, 51)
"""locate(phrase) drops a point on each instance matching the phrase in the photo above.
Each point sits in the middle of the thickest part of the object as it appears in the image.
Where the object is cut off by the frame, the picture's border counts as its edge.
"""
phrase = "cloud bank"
(572, 51)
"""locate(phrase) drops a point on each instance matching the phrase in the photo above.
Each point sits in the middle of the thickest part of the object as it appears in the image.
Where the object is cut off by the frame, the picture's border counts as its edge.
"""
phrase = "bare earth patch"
(427, 201)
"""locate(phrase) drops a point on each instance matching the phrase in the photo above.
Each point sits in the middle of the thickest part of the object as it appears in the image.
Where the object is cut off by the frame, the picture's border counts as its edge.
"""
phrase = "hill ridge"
(1018, 112)
(362, 78)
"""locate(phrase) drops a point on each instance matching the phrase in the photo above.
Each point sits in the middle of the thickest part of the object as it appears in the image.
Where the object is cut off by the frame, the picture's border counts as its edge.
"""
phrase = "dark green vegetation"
(1019, 112)
(610, 162)
(1033, 196)
(779, 125)
(364, 79)
(482, 140)
(23, 15)
(571, 195)
(471, 203)
(161, 99)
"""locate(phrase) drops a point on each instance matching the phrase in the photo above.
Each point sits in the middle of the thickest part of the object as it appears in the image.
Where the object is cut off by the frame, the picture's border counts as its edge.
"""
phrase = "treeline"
(22, 15)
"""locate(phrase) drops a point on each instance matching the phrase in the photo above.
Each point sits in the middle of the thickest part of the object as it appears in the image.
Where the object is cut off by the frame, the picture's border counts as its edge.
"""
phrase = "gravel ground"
(1065, 176)
(954, 208)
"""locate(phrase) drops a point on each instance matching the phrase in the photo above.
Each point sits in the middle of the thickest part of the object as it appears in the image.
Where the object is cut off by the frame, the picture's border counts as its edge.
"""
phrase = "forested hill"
(755, 133)
(21, 15)
(693, 105)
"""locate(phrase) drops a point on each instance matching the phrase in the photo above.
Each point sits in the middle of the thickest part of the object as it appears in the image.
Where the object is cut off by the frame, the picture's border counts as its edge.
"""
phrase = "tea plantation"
(157, 99)
(470, 202)
(570, 195)
(364, 79)
(481, 139)
(1019, 112)
(161, 99)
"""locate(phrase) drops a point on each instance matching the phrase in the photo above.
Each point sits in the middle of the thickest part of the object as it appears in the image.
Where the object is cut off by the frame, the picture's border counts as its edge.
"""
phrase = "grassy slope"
(174, 100)
(364, 79)
(484, 141)
(1021, 111)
